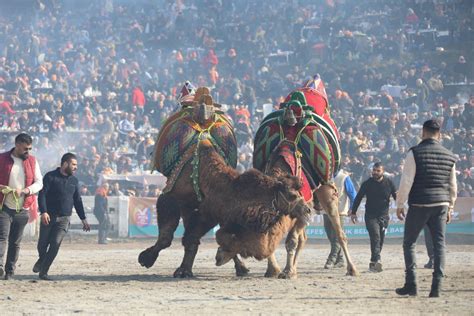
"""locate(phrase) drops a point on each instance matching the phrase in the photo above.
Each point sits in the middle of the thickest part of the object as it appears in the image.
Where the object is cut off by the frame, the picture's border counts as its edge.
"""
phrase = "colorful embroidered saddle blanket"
(180, 135)
(313, 137)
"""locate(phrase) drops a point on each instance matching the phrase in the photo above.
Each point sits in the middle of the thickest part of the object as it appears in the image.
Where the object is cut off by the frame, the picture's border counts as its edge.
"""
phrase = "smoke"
(49, 150)
(462, 98)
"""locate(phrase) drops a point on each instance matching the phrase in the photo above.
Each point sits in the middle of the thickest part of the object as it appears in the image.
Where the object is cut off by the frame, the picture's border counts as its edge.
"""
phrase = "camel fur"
(251, 199)
(263, 245)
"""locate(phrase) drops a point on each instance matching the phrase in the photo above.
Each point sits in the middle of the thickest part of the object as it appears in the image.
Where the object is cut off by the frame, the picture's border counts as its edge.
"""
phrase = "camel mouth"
(302, 212)
(307, 215)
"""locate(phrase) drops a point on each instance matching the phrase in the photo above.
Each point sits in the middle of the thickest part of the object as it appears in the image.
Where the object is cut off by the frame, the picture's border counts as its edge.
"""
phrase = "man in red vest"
(20, 179)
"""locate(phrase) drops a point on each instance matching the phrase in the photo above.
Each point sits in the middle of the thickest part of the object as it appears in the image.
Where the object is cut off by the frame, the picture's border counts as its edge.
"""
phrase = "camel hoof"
(287, 275)
(241, 271)
(352, 271)
(183, 273)
(147, 258)
(272, 273)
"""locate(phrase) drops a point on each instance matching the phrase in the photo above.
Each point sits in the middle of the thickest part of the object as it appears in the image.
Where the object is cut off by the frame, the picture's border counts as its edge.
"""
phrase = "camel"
(204, 189)
(299, 140)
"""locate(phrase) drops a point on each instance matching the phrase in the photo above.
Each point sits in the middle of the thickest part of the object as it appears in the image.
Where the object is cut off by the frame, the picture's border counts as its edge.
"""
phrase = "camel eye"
(292, 196)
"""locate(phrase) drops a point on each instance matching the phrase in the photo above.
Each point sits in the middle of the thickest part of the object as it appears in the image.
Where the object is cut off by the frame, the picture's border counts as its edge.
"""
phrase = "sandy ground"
(106, 279)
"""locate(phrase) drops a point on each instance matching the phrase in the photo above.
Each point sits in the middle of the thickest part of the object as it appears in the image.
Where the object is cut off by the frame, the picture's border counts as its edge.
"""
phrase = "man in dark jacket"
(378, 190)
(429, 184)
(59, 194)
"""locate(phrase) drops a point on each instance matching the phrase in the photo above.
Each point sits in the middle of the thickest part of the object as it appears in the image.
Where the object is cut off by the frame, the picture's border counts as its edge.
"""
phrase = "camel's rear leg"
(327, 196)
(195, 226)
(273, 269)
(168, 219)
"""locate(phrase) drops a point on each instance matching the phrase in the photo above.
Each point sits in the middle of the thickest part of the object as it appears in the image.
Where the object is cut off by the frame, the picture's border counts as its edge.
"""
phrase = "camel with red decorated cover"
(301, 140)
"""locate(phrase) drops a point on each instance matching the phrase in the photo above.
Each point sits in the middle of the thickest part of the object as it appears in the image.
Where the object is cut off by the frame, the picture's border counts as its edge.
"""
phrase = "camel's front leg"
(240, 268)
(294, 243)
(302, 238)
(327, 196)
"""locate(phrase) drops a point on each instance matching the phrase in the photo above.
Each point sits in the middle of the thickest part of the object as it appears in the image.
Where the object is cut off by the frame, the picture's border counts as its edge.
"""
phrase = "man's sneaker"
(329, 264)
(37, 266)
(8, 275)
(407, 289)
(45, 277)
(429, 264)
(375, 267)
(339, 263)
(434, 293)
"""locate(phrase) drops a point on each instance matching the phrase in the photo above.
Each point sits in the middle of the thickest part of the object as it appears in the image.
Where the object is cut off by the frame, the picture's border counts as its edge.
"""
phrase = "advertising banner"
(461, 223)
(143, 221)
(142, 217)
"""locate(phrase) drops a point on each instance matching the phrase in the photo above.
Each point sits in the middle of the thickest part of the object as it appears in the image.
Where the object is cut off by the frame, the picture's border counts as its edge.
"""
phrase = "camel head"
(293, 108)
(224, 256)
(289, 201)
(229, 246)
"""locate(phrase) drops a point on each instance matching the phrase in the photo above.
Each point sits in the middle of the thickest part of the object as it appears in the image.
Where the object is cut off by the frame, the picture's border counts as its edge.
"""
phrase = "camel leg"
(168, 219)
(194, 228)
(302, 238)
(240, 268)
(294, 244)
(291, 244)
(273, 269)
(327, 196)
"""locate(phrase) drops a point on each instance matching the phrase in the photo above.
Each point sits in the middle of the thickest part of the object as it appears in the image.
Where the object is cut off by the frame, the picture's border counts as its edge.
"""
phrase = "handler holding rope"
(20, 179)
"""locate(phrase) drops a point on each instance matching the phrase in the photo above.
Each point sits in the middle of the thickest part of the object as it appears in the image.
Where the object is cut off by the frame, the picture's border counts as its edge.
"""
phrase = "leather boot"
(407, 289)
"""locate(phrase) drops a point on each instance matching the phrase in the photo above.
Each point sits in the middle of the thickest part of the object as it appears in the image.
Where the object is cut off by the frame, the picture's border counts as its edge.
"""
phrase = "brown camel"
(206, 191)
(251, 199)
(236, 239)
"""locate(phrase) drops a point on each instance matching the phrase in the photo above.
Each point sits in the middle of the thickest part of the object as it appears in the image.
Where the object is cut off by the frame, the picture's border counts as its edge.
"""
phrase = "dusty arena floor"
(106, 279)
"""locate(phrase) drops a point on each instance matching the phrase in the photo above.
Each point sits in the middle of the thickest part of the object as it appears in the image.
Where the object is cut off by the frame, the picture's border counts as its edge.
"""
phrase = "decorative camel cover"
(180, 134)
(315, 136)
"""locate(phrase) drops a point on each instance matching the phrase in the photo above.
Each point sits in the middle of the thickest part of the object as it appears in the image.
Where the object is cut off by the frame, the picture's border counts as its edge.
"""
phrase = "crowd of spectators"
(99, 77)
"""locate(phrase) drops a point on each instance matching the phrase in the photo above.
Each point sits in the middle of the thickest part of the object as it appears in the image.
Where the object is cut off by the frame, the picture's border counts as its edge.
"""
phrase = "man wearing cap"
(429, 184)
